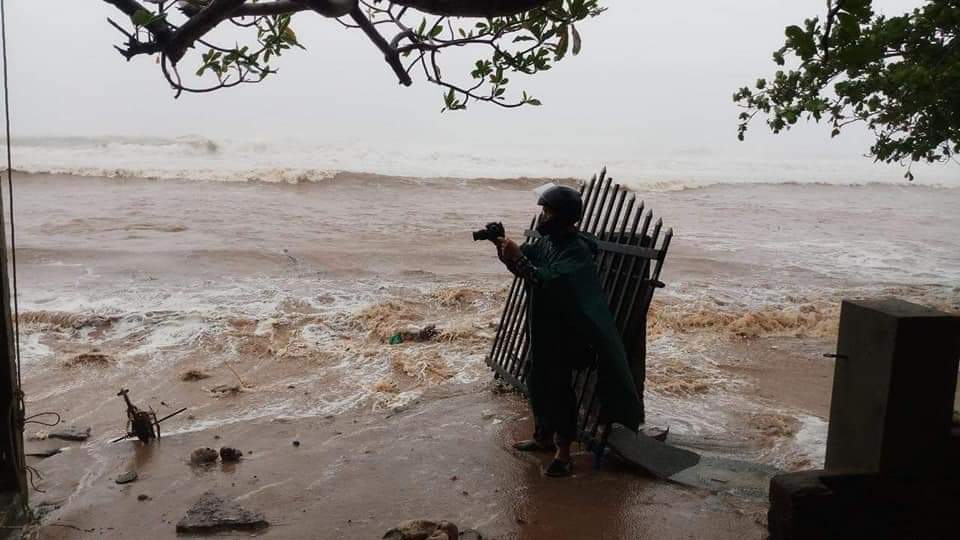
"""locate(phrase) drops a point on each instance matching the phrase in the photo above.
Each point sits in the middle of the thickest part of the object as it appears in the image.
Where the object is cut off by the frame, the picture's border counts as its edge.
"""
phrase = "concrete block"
(893, 390)
(818, 505)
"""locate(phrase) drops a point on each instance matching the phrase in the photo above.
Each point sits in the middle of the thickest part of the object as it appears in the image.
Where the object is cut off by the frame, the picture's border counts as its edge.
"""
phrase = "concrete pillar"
(893, 389)
(890, 471)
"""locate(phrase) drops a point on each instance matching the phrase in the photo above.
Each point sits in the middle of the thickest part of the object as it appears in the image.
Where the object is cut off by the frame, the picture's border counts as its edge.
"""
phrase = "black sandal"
(533, 445)
(559, 469)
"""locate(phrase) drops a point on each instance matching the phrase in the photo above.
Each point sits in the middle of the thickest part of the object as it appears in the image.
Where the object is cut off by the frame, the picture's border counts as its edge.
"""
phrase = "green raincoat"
(570, 321)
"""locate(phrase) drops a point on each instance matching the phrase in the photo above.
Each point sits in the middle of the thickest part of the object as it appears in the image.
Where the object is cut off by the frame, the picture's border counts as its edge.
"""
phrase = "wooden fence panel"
(629, 264)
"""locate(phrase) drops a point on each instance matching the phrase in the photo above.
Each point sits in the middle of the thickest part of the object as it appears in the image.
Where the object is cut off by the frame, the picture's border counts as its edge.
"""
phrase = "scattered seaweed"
(804, 320)
(92, 358)
(194, 375)
(457, 296)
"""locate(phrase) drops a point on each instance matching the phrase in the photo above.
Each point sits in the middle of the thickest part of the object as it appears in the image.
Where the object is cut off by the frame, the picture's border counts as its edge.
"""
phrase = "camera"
(491, 232)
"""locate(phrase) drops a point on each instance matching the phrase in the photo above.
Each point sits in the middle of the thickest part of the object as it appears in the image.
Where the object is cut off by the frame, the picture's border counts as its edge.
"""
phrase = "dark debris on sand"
(213, 513)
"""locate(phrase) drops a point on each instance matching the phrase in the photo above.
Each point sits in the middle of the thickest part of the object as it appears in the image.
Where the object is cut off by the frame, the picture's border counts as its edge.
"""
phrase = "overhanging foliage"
(511, 38)
(900, 76)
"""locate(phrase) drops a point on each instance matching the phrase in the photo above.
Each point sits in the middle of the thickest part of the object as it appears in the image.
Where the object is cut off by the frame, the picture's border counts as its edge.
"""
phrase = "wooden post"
(638, 348)
(13, 492)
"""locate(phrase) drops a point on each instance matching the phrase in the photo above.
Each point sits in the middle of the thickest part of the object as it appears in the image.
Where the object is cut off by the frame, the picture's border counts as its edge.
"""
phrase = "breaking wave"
(805, 320)
(293, 162)
(815, 316)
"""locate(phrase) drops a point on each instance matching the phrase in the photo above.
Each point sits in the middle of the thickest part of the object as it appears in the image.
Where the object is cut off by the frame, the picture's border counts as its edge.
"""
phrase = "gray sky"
(653, 76)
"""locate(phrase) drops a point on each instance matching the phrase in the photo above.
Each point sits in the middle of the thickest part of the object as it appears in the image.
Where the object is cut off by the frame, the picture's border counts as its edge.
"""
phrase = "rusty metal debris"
(142, 424)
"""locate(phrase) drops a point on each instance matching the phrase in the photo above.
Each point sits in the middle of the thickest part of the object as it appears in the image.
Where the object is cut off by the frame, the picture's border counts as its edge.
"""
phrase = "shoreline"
(326, 178)
(357, 475)
(313, 177)
(286, 299)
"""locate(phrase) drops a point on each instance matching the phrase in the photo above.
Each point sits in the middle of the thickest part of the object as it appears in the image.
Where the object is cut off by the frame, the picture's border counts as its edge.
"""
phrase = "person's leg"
(541, 442)
(565, 414)
(564, 419)
(539, 389)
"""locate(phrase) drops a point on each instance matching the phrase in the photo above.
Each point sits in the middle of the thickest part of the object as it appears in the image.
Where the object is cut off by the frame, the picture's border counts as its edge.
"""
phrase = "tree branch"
(329, 8)
(547, 21)
(161, 32)
(134, 46)
(472, 8)
(390, 54)
(277, 7)
(454, 8)
(213, 14)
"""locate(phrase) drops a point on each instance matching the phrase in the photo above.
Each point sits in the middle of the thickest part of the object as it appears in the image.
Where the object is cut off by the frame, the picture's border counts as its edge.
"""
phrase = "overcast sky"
(653, 76)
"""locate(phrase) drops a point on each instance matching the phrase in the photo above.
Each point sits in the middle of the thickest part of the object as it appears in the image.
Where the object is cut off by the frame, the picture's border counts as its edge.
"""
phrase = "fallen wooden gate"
(628, 264)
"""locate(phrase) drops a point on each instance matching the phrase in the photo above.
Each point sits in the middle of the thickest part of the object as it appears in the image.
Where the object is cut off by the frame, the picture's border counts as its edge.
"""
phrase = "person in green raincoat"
(570, 327)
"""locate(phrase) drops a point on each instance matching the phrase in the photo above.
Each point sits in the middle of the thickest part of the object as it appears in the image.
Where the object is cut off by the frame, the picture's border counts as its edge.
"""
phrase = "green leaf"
(534, 101)
(562, 45)
(801, 41)
(141, 17)
(859, 8)
(576, 40)
(849, 26)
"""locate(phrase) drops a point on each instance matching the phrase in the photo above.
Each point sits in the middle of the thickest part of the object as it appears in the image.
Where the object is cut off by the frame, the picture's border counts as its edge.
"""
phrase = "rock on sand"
(422, 529)
(213, 513)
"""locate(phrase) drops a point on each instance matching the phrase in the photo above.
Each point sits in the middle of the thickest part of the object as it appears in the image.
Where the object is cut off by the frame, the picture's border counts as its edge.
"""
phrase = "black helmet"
(565, 202)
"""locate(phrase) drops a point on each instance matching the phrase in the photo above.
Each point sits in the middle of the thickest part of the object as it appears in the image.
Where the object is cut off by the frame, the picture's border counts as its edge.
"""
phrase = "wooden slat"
(589, 200)
(635, 251)
(640, 284)
(608, 210)
(628, 240)
(663, 254)
(516, 328)
(516, 290)
(598, 211)
(617, 313)
(498, 340)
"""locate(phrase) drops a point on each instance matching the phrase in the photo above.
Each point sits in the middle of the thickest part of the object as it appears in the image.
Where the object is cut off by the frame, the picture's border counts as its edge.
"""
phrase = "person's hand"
(509, 249)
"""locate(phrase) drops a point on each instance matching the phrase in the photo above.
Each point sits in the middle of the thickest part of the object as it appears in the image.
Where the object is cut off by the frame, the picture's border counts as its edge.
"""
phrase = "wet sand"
(286, 297)
(355, 476)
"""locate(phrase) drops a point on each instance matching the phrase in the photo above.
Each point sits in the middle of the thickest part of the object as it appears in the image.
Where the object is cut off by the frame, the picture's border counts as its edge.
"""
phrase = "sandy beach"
(280, 299)
(254, 218)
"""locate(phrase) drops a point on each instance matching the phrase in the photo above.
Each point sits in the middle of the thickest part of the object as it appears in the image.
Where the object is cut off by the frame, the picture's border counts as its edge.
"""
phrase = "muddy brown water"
(286, 296)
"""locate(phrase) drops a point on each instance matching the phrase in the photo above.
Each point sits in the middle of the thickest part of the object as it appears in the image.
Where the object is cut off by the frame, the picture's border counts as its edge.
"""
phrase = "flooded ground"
(267, 310)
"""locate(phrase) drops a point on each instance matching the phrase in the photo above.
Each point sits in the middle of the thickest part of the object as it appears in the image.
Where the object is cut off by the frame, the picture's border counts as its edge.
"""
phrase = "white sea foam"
(811, 439)
(279, 161)
(32, 350)
(755, 261)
